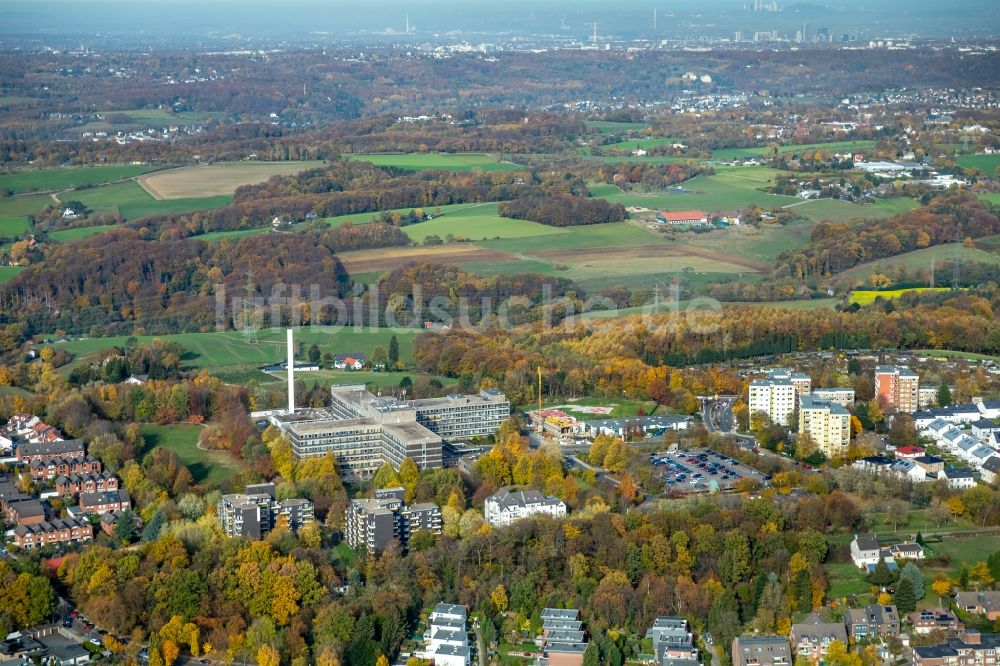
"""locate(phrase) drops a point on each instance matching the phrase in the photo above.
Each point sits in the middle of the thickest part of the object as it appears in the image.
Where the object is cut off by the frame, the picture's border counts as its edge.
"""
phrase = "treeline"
(950, 217)
(447, 294)
(116, 282)
(608, 357)
(649, 176)
(563, 210)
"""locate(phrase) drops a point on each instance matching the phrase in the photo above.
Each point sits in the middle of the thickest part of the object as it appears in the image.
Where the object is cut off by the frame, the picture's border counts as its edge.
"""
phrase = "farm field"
(24, 205)
(587, 236)
(762, 244)
(214, 467)
(216, 350)
(132, 202)
(386, 259)
(68, 235)
(817, 210)
(277, 381)
(66, 178)
(478, 222)
(9, 272)
(611, 127)
(866, 297)
(441, 161)
(14, 100)
(920, 259)
(813, 304)
(986, 163)
(213, 180)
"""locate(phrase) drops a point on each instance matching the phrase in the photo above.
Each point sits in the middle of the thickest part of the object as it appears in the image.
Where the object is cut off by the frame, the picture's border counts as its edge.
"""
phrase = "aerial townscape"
(525, 333)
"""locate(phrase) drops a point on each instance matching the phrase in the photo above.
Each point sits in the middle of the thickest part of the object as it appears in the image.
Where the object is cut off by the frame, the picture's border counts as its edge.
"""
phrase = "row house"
(970, 648)
(60, 530)
(99, 503)
(33, 429)
(24, 512)
(47, 469)
(74, 484)
(45, 451)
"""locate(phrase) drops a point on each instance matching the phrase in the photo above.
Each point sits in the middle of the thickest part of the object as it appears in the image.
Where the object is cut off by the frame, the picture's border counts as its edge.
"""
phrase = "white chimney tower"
(291, 371)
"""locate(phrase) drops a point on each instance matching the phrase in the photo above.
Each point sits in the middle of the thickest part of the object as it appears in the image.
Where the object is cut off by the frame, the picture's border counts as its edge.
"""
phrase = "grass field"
(845, 579)
(14, 100)
(69, 235)
(327, 378)
(611, 127)
(480, 222)
(14, 226)
(214, 180)
(728, 189)
(862, 297)
(966, 549)
(986, 163)
(814, 304)
(213, 467)
(634, 144)
(920, 260)
(728, 154)
(442, 161)
(133, 202)
(9, 272)
(67, 178)
(216, 350)
(817, 210)
(992, 197)
(24, 205)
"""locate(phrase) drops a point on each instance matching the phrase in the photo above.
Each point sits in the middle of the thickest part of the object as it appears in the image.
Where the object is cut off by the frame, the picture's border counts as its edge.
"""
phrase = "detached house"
(865, 550)
(349, 361)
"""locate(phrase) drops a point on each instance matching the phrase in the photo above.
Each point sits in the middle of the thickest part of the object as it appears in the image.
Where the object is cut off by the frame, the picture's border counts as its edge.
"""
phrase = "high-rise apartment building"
(377, 523)
(898, 388)
(827, 424)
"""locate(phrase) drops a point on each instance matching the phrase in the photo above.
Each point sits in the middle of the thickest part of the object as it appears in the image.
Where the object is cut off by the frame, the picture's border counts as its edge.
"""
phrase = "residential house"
(507, 506)
(909, 452)
(45, 451)
(934, 619)
(59, 530)
(967, 649)
(761, 650)
(103, 502)
(446, 637)
(349, 361)
(74, 484)
(25, 512)
(811, 638)
(959, 478)
(673, 643)
(562, 639)
(865, 550)
(985, 603)
(990, 471)
(872, 622)
(906, 550)
(55, 467)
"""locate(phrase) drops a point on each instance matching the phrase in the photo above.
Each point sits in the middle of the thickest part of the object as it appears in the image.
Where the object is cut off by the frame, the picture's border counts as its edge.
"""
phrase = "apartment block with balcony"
(897, 387)
(375, 524)
(827, 424)
(774, 396)
(761, 650)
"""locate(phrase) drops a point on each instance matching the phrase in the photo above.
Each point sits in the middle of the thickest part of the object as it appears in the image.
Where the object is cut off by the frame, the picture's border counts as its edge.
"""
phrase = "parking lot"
(701, 470)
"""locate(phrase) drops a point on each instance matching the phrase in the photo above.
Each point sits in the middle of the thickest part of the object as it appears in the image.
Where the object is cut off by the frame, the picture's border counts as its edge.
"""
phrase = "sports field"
(44, 180)
(213, 467)
(132, 202)
(988, 164)
(216, 350)
(212, 180)
(866, 297)
(442, 161)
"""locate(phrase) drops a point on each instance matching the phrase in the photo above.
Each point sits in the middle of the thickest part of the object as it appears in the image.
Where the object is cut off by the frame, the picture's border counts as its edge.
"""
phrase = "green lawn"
(845, 579)
(133, 202)
(68, 178)
(13, 226)
(966, 549)
(218, 350)
(443, 161)
(9, 272)
(69, 235)
(213, 467)
(986, 163)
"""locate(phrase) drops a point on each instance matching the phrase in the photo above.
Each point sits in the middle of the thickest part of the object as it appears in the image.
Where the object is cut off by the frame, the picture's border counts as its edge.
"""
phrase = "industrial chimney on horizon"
(291, 371)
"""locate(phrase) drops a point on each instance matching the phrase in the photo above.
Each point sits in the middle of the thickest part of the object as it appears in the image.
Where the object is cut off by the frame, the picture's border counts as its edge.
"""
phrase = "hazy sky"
(342, 18)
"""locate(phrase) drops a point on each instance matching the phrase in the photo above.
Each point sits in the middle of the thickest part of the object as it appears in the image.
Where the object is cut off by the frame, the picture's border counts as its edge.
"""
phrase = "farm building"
(683, 217)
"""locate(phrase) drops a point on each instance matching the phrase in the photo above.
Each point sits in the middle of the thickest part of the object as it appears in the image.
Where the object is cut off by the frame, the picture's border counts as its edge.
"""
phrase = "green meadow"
(9, 272)
(67, 178)
(611, 127)
(213, 467)
(69, 235)
(132, 202)
(479, 222)
(988, 164)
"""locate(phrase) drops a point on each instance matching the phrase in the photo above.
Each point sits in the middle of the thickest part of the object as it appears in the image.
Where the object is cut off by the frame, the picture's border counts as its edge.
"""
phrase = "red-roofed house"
(683, 217)
(909, 452)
